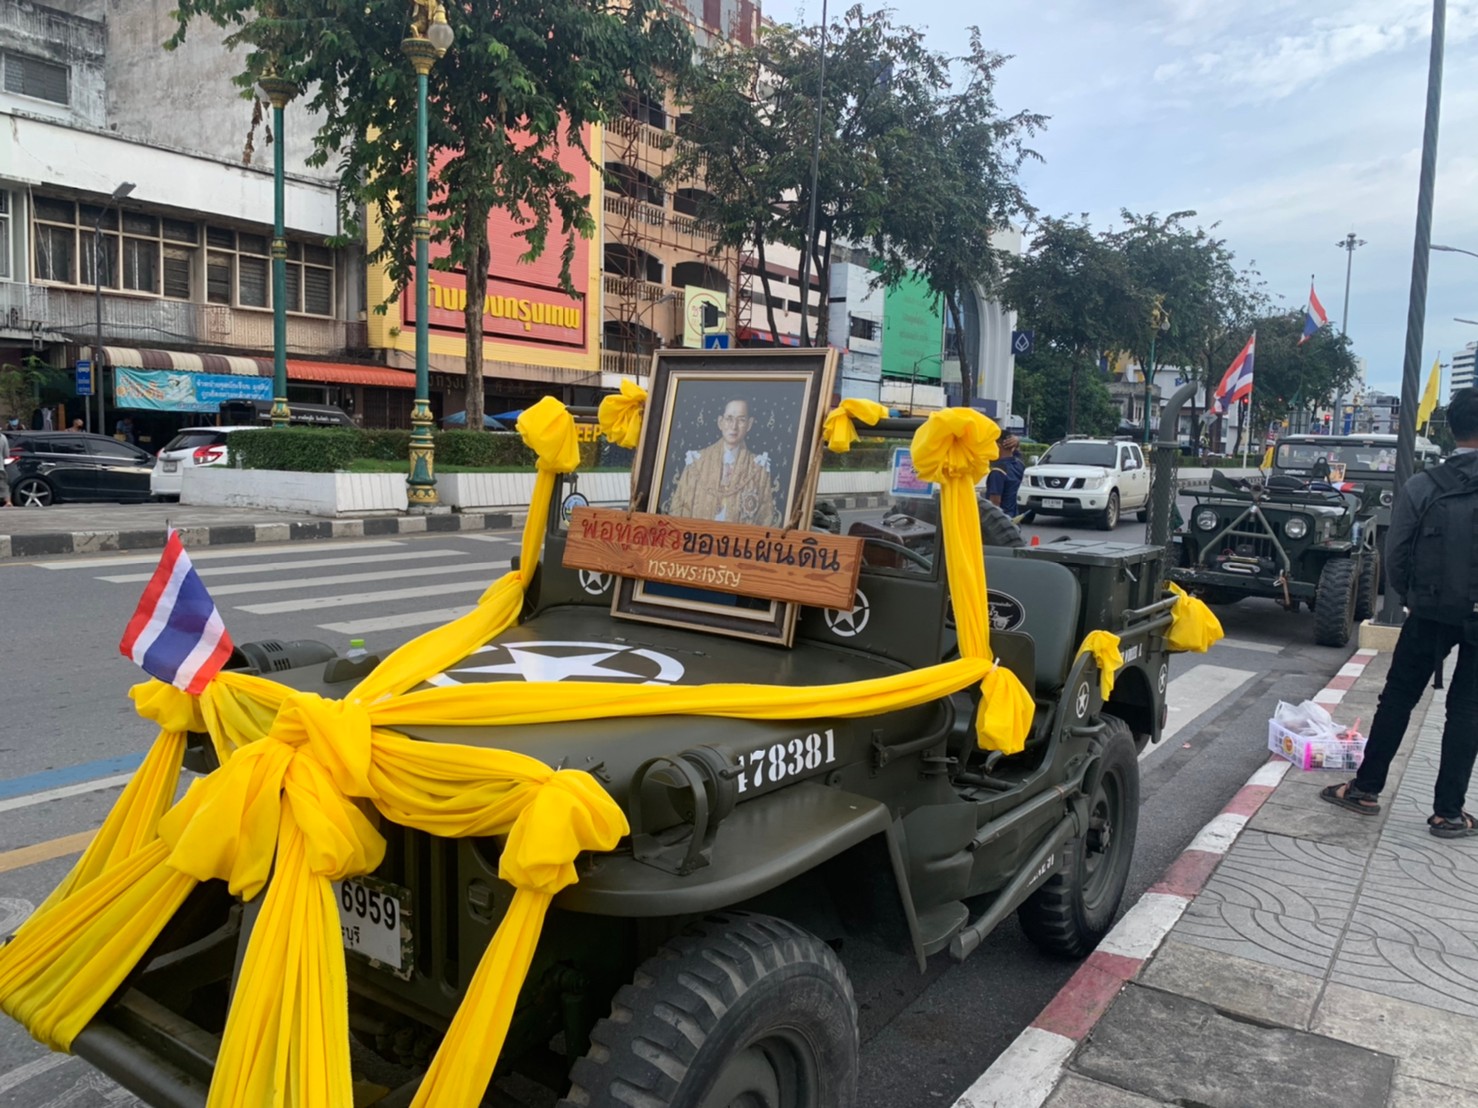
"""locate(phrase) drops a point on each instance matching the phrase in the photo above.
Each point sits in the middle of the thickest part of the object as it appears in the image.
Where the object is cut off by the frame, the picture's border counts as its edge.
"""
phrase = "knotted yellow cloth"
(1193, 626)
(1104, 646)
(955, 448)
(840, 431)
(620, 415)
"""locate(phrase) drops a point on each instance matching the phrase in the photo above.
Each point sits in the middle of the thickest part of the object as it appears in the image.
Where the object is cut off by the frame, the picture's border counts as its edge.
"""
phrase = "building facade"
(1462, 376)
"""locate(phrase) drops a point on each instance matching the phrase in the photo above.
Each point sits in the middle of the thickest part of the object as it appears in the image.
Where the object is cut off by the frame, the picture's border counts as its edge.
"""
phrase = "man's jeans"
(1423, 645)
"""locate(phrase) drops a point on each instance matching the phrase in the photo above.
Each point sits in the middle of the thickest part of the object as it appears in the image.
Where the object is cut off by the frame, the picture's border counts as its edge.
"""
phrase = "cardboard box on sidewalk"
(1307, 753)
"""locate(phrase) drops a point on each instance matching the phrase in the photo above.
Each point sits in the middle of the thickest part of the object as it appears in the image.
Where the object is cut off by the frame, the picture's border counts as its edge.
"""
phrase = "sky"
(1287, 122)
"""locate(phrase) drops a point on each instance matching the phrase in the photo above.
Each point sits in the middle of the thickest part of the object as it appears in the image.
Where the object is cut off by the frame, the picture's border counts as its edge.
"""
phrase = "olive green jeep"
(1286, 539)
(695, 965)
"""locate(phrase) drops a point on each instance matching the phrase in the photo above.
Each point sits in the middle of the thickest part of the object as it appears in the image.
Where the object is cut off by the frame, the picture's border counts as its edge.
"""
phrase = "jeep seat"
(1050, 596)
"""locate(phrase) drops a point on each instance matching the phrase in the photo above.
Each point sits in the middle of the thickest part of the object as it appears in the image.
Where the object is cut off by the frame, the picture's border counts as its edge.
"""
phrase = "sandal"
(1356, 800)
(1452, 828)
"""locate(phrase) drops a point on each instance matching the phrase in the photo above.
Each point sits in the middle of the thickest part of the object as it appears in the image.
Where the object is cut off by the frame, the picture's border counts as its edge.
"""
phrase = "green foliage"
(477, 448)
(385, 446)
(1045, 388)
(1293, 378)
(867, 454)
(301, 449)
(522, 76)
(20, 386)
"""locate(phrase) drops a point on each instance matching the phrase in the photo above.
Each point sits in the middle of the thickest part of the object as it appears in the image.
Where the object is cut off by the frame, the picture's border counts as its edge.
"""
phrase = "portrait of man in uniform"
(727, 481)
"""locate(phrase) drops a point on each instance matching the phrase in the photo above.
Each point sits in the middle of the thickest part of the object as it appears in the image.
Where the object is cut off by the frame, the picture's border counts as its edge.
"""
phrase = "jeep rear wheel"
(1334, 603)
(997, 528)
(740, 1011)
(1075, 909)
(1108, 519)
(1365, 593)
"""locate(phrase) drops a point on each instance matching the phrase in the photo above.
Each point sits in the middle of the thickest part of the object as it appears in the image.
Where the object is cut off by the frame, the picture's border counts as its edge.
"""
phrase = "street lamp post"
(97, 300)
(276, 92)
(429, 38)
(914, 377)
(1455, 250)
(1349, 244)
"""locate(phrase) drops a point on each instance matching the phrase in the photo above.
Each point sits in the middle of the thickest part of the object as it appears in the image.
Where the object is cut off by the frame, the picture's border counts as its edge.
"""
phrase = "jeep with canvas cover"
(1287, 539)
(614, 857)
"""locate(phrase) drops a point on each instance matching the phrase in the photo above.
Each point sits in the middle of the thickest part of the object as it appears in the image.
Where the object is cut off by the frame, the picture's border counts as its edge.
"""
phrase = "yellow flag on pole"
(1267, 459)
(1428, 405)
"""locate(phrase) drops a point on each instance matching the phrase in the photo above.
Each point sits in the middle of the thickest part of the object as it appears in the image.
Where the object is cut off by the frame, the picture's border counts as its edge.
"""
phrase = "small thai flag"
(1314, 316)
(1236, 383)
(177, 635)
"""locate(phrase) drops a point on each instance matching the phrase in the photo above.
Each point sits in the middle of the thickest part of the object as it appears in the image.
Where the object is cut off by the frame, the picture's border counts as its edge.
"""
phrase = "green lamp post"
(276, 91)
(429, 38)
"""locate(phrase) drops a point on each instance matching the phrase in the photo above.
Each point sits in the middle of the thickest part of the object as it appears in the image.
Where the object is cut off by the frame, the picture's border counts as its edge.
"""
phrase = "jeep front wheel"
(1075, 909)
(739, 1011)
(1369, 587)
(1108, 519)
(1334, 603)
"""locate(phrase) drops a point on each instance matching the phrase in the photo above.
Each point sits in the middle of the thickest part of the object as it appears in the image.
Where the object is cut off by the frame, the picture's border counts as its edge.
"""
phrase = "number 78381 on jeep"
(698, 869)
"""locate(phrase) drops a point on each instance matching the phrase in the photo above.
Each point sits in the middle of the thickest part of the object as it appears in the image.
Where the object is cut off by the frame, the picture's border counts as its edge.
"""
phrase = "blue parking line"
(69, 775)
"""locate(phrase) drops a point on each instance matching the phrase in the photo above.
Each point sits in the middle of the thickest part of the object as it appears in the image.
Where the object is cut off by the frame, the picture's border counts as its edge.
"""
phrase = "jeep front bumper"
(1249, 584)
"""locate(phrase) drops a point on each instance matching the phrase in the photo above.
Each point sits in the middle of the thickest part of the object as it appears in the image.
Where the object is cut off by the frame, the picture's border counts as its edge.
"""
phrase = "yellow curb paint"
(45, 852)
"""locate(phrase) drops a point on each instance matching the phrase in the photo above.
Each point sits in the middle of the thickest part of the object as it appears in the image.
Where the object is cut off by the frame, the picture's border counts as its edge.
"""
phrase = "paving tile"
(1432, 1046)
(1420, 974)
(1412, 1092)
(1317, 821)
(1237, 985)
(1078, 1092)
(1174, 1049)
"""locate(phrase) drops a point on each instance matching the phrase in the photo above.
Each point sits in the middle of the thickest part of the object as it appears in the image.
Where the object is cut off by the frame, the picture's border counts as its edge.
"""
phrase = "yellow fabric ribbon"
(840, 431)
(620, 414)
(1104, 646)
(955, 448)
(1193, 626)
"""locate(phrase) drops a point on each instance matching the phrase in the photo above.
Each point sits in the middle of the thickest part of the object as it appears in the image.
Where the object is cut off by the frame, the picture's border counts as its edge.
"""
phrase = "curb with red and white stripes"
(1027, 1071)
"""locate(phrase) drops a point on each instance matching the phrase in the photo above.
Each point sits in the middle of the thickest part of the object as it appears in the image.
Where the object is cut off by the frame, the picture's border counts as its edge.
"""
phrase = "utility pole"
(1349, 244)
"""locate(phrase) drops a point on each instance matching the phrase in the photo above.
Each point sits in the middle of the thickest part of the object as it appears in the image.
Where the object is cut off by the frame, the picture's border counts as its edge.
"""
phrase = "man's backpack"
(1444, 561)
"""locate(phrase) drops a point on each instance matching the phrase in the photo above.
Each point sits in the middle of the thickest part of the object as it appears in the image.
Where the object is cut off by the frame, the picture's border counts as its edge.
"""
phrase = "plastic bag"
(1308, 719)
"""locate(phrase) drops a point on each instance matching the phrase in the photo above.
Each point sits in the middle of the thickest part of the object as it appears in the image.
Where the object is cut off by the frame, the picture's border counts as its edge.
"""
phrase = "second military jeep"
(1289, 540)
(694, 966)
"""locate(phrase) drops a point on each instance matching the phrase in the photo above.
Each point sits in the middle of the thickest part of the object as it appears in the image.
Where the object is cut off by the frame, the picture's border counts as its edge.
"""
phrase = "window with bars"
(24, 75)
(86, 244)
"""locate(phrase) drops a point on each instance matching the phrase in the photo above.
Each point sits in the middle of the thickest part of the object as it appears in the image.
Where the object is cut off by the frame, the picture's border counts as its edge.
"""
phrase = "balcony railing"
(634, 289)
(625, 364)
(139, 321)
(697, 228)
(638, 210)
(645, 133)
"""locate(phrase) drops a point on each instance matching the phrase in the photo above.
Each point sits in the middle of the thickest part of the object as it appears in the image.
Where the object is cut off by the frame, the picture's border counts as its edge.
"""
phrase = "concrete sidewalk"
(91, 528)
(1295, 955)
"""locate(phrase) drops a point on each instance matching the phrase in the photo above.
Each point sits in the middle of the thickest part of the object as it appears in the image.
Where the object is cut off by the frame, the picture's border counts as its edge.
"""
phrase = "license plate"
(1047, 503)
(374, 917)
(171, 467)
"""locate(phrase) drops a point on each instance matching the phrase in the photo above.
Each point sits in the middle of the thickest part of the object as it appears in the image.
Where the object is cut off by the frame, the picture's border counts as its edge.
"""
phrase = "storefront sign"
(508, 311)
(694, 300)
(803, 567)
(171, 390)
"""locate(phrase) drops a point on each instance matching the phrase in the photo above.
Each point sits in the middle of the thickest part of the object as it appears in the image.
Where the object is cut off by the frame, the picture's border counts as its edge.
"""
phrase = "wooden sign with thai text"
(803, 567)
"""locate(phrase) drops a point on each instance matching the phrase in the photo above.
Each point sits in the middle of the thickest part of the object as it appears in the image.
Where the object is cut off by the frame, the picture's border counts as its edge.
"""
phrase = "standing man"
(5, 468)
(1432, 563)
(727, 482)
(1006, 473)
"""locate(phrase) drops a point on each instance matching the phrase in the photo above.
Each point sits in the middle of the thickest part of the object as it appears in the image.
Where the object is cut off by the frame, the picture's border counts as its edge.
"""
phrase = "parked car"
(1093, 477)
(48, 467)
(192, 447)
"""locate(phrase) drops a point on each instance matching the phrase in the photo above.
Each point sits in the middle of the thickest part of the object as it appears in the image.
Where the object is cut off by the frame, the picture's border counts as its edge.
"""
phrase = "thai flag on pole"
(1314, 316)
(1236, 383)
(177, 635)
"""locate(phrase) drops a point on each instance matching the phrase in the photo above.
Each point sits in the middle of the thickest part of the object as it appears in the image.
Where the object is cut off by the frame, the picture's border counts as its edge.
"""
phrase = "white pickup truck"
(1094, 477)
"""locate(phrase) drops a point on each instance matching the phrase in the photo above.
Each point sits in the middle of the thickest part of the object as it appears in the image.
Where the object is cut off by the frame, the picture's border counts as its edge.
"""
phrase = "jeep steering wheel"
(912, 555)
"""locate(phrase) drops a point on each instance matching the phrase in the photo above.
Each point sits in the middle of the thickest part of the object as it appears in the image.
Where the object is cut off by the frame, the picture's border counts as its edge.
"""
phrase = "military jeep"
(1286, 539)
(1369, 460)
(695, 965)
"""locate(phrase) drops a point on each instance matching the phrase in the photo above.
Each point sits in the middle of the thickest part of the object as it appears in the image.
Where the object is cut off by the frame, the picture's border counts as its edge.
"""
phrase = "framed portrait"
(729, 437)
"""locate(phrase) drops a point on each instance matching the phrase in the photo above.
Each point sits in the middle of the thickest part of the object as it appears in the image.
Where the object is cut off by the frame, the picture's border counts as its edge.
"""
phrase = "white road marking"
(1248, 644)
(1141, 929)
(250, 551)
(395, 623)
(307, 603)
(13, 913)
(35, 1068)
(308, 563)
(1022, 1076)
(1269, 774)
(1329, 697)
(1351, 669)
(78, 789)
(1218, 835)
(1197, 690)
(491, 538)
(360, 578)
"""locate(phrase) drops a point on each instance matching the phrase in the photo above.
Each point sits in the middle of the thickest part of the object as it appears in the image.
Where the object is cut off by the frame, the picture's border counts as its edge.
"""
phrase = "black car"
(48, 467)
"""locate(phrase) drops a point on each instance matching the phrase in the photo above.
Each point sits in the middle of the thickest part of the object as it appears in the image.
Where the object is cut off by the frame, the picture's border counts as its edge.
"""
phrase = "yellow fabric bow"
(620, 415)
(840, 431)
(1104, 646)
(1193, 626)
(955, 442)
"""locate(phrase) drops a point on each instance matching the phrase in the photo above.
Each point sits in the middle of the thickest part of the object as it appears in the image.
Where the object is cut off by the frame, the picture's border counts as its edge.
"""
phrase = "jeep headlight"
(1206, 519)
(1386, 497)
(1296, 528)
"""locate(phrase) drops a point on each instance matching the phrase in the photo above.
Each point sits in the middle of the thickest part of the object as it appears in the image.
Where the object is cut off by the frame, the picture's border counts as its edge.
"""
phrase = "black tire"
(997, 528)
(31, 492)
(740, 1009)
(1366, 592)
(1075, 909)
(1220, 598)
(1334, 605)
(1108, 519)
(1143, 515)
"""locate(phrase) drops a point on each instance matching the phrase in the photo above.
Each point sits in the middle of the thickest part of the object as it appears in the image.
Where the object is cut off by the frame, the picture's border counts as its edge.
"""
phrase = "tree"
(20, 386)
(523, 77)
(1074, 288)
(1292, 378)
(1043, 386)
